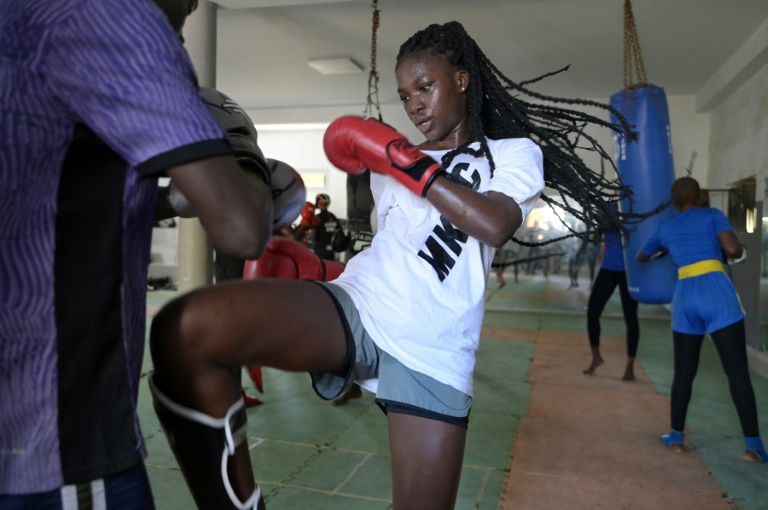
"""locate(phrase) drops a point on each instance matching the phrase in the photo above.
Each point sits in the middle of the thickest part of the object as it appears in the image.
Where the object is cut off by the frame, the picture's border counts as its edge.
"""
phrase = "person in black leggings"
(730, 345)
(610, 276)
(705, 301)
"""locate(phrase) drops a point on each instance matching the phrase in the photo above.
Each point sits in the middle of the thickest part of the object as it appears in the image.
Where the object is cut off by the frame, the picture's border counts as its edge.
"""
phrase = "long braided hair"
(497, 113)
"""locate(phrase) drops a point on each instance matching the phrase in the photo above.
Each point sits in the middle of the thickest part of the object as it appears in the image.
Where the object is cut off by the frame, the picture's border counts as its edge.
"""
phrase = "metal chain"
(373, 76)
(632, 51)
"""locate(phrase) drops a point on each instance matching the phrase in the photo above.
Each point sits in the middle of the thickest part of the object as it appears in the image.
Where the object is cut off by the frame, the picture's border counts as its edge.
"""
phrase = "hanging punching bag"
(646, 167)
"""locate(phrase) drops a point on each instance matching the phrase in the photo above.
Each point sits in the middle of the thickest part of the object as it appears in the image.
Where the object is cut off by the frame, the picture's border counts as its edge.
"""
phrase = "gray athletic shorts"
(400, 390)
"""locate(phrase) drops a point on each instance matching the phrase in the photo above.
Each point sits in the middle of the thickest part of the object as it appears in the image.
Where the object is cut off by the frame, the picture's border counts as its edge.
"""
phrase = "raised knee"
(177, 334)
(164, 332)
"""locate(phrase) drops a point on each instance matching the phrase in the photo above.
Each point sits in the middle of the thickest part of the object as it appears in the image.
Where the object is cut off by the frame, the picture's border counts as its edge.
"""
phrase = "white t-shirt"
(420, 287)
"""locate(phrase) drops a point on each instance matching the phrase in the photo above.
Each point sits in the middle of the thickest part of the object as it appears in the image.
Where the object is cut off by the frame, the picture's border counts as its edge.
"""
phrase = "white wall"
(737, 98)
(690, 133)
(303, 150)
(739, 133)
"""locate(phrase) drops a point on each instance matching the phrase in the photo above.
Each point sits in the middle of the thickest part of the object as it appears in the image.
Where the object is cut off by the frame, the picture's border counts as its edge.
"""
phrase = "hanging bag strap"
(634, 69)
(373, 75)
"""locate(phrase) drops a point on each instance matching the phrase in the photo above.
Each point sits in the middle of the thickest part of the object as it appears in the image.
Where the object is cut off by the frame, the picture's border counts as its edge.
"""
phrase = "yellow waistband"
(699, 268)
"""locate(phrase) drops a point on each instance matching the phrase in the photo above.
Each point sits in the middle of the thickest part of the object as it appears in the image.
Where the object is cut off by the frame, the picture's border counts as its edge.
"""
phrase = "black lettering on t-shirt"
(438, 258)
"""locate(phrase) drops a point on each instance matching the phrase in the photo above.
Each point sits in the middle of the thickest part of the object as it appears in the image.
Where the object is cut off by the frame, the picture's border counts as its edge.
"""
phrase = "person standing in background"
(611, 275)
(576, 260)
(327, 226)
(704, 300)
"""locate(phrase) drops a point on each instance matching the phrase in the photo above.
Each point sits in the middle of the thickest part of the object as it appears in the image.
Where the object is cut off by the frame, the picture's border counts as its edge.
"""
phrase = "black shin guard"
(203, 446)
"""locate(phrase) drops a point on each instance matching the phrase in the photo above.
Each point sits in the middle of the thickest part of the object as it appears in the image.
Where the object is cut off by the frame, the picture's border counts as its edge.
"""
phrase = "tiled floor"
(542, 435)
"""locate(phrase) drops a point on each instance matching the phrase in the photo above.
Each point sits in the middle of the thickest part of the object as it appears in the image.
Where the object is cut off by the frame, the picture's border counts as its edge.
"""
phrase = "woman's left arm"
(491, 218)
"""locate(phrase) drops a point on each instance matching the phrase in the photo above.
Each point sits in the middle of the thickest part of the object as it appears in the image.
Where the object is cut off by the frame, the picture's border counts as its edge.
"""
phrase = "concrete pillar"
(195, 249)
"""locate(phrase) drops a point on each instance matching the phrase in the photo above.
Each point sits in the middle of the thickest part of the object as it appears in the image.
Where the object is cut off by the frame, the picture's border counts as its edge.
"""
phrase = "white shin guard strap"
(230, 430)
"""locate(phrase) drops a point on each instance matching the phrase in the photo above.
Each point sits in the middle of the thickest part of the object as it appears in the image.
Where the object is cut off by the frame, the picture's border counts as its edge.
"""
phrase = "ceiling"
(263, 45)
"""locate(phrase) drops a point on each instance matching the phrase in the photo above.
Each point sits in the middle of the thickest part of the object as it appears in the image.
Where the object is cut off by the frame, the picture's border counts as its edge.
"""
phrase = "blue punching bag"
(646, 167)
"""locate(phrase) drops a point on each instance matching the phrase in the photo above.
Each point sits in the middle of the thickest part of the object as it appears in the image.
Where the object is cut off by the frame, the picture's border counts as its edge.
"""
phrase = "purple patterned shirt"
(97, 97)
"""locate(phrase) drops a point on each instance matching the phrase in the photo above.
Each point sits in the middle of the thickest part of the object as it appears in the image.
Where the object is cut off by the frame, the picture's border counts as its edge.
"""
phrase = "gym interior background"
(295, 65)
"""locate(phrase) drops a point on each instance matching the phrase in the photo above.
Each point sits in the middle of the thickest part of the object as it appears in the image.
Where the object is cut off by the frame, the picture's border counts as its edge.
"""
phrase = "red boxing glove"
(291, 260)
(258, 381)
(354, 144)
(308, 218)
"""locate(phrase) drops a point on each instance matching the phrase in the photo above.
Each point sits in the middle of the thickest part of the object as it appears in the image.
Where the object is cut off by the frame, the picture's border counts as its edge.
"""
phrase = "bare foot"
(629, 374)
(751, 456)
(354, 391)
(596, 362)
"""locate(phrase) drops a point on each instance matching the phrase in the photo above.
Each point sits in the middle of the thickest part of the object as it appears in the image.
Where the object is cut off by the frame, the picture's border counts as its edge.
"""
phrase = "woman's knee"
(593, 315)
(177, 333)
(684, 375)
